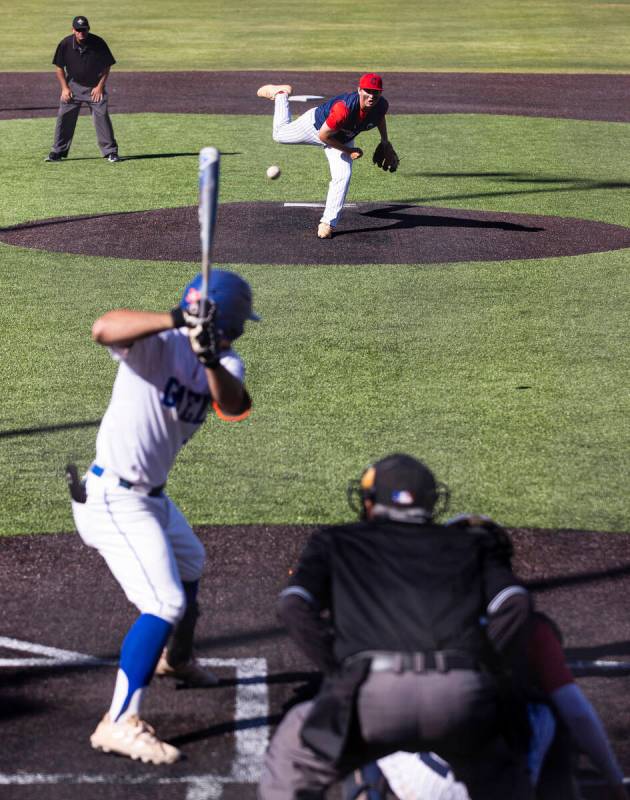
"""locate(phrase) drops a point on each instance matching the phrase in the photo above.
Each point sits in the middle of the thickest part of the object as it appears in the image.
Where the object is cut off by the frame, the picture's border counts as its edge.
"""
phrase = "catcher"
(334, 126)
(388, 609)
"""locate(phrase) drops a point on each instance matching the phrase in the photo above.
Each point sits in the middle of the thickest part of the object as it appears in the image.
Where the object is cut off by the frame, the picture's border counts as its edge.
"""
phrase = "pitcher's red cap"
(371, 81)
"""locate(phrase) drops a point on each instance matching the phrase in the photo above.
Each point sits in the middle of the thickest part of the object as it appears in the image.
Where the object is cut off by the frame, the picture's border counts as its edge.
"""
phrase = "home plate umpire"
(388, 608)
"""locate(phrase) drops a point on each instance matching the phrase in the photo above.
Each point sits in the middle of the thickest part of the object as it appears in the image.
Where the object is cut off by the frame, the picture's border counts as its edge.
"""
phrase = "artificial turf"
(507, 377)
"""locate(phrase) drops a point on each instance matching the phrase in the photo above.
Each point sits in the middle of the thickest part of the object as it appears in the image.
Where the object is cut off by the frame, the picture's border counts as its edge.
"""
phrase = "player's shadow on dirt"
(401, 221)
(578, 578)
(15, 707)
(240, 638)
(29, 108)
(616, 649)
(221, 728)
(308, 684)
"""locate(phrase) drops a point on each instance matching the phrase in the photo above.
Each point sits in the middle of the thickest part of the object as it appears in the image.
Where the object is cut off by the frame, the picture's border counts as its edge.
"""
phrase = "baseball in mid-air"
(273, 172)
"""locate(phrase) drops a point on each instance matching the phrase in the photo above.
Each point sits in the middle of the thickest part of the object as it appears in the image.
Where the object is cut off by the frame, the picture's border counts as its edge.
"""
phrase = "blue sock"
(139, 655)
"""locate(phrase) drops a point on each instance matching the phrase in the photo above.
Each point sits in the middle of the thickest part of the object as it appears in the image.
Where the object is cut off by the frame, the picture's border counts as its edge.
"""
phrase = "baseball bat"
(209, 159)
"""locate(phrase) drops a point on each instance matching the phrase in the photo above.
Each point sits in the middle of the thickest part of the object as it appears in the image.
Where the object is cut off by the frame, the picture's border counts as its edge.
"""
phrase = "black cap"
(400, 481)
(80, 24)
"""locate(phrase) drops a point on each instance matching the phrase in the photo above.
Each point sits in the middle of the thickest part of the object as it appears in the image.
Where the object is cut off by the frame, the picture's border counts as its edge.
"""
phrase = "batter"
(333, 126)
(175, 367)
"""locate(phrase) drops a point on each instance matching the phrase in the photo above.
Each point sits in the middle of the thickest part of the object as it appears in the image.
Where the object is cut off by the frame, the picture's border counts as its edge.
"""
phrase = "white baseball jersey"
(160, 398)
(412, 778)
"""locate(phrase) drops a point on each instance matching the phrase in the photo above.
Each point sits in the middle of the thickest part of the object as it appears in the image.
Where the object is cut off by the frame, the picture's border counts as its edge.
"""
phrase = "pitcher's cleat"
(270, 90)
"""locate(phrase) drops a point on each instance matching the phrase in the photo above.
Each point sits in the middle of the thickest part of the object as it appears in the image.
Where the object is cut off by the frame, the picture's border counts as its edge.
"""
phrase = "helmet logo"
(193, 295)
(402, 498)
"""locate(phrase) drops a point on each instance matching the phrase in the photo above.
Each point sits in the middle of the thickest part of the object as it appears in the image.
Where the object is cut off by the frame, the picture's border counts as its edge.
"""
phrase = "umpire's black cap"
(401, 481)
(80, 24)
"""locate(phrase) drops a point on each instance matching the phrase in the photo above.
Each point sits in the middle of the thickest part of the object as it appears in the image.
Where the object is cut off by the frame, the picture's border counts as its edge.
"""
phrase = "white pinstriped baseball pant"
(147, 543)
(303, 131)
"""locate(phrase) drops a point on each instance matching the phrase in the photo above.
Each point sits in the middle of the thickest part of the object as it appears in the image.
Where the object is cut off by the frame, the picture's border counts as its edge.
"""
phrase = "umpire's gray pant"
(453, 713)
(68, 115)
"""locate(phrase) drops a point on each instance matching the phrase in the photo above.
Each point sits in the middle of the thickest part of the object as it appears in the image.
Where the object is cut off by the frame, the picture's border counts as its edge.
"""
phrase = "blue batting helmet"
(233, 297)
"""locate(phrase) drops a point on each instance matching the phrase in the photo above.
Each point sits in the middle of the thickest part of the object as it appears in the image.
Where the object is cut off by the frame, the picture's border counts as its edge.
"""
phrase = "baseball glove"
(386, 157)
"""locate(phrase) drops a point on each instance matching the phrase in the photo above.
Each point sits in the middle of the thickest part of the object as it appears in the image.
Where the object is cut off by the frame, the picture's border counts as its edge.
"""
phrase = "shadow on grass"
(142, 156)
(561, 184)
(65, 426)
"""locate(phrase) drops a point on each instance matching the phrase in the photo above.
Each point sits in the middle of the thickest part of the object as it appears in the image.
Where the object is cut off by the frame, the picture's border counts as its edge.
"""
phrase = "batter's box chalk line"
(250, 743)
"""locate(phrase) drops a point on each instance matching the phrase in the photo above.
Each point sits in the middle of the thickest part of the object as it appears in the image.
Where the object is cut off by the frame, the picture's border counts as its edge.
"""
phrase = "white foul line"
(250, 742)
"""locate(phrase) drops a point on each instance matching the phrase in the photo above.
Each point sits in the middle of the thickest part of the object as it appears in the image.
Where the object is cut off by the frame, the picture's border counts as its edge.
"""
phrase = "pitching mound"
(370, 233)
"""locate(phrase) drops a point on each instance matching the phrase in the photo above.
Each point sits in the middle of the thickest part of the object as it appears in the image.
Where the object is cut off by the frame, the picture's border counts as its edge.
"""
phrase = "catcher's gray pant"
(303, 131)
(453, 713)
(68, 115)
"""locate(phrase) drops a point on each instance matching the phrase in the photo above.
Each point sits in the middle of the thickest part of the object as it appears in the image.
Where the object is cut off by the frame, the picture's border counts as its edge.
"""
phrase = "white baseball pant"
(146, 541)
(303, 131)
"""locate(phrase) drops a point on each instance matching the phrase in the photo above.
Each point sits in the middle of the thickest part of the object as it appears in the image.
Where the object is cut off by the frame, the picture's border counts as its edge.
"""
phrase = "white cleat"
(132, 737)
(191, 672)
(324, 231)
(270, 90)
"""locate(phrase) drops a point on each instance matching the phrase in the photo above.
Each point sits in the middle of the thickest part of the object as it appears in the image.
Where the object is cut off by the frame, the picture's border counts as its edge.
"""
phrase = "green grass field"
(349, 362)
(489, 35)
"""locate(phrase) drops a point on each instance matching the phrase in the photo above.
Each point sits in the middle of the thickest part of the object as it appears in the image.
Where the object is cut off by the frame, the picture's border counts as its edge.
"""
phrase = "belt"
(156, 491)
(439, 660)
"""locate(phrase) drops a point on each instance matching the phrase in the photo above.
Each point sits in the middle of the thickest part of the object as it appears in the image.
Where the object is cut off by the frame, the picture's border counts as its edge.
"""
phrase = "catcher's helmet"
(400, 487)
(233, 297)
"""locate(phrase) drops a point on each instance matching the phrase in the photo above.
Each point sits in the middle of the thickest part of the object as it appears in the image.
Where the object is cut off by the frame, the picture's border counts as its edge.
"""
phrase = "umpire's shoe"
(190, 672)
(134, 738)
(52, 156)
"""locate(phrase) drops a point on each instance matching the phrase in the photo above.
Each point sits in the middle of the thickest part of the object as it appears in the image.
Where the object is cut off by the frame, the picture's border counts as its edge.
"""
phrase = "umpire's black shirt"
(403, 587)
(83, 63)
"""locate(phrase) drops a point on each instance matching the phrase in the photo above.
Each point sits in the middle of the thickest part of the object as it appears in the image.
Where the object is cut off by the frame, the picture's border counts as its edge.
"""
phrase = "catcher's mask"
(399, 487)
(233, 297)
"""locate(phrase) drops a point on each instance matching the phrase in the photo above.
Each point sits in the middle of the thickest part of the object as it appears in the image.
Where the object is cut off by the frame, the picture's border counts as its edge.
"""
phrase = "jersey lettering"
(191, 406)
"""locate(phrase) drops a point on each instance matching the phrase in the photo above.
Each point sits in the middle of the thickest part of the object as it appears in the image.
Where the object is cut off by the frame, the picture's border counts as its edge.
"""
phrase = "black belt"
(439, 660)
(155, 492)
